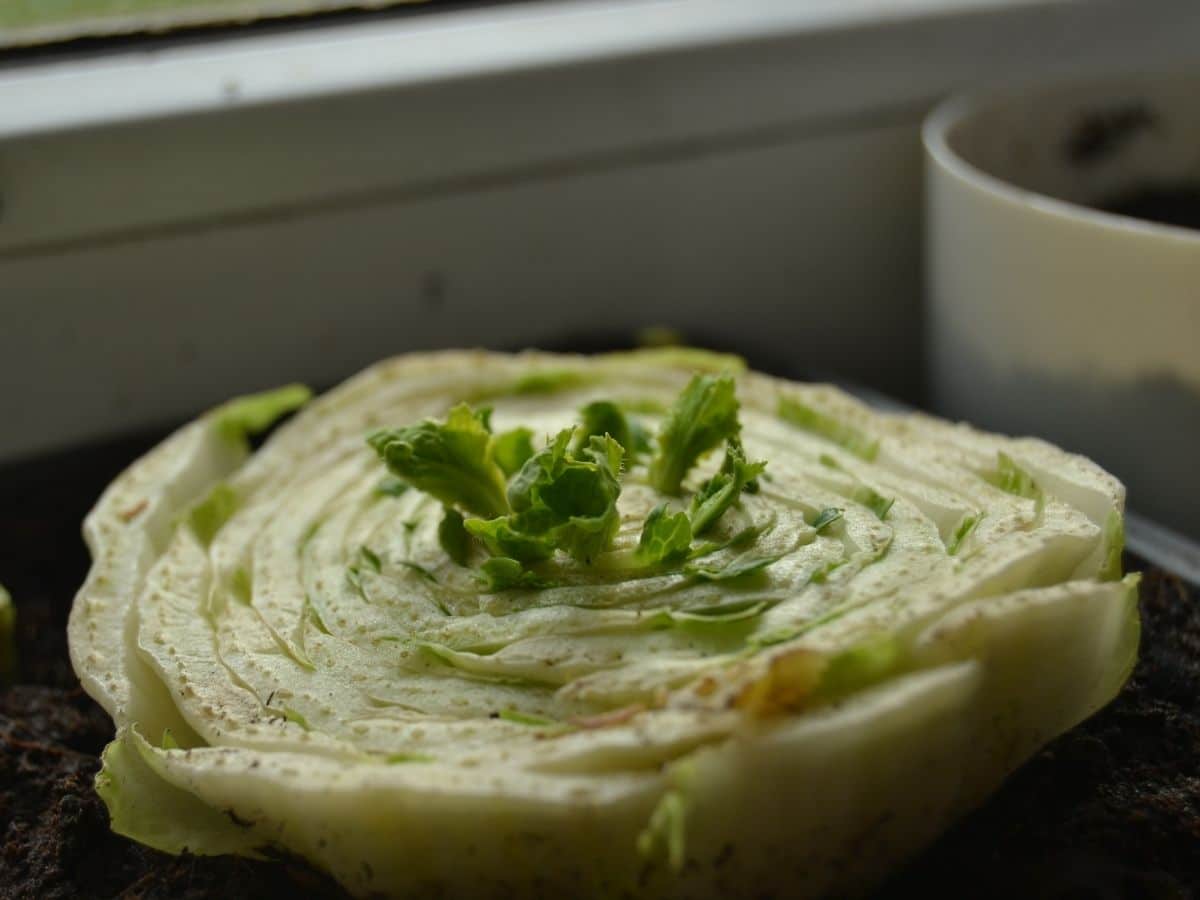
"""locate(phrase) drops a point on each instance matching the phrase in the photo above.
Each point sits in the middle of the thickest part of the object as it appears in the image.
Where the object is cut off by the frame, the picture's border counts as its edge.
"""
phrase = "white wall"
(759, 184)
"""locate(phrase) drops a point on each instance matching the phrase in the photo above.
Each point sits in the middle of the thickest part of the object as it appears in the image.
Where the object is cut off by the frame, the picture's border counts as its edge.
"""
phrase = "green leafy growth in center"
(666, 537)
(704, 415)
(454, 537)
(452, 461)
(527, 505)
(722, 490)
(502, 573)
(605, 417)
(559, 500)
(513, 449)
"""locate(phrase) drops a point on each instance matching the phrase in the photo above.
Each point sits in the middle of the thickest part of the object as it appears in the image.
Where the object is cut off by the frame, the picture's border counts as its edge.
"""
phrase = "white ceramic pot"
(1051, 317)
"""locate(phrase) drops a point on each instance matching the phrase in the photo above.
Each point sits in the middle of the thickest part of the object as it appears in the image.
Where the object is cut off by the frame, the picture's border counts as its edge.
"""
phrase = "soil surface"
(1111, 809)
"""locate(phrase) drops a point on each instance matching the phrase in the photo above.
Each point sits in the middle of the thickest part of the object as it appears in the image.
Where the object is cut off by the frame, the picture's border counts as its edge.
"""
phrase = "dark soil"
(54, 835)
(1111, 809)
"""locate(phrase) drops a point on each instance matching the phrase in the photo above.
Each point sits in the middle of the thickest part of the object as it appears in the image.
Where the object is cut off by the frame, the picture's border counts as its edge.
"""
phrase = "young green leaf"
(1011, 478)
(210, 514)
(825, 518)
(453, 536)
(453, 462)
(501, 538)
(242, 417)
(847, 436)
(872, 500)
(313, 613)
(538, 470)
(739, 567)
(513, 448)
(743, 538)
(586, 537)
(712, 500)
(418, 568)
(501, 573)
(605, 451)
(605, 417)
(294, 716)
(665, 537)
(561, 501)
(722, 490)
(241, 586)
(962, 532)
(640, 438)
(704, 415)
(736, 463)
(371, 558)
(571, 499)
(354, 579)
(666, 829)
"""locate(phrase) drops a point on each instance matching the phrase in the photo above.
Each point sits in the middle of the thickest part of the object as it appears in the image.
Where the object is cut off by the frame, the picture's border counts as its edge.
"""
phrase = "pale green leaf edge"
(146, 808)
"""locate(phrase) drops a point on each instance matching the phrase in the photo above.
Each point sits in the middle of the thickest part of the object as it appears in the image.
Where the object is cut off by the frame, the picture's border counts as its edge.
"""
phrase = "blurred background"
(191, 209)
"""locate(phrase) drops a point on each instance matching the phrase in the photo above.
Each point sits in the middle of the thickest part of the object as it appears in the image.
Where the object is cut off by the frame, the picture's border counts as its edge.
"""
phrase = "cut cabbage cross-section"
(303, 653)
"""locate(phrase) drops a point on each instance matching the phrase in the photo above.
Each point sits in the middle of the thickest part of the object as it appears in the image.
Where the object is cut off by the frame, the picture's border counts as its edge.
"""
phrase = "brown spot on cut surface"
(788, 682)
(608, 719)
(128, 515)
